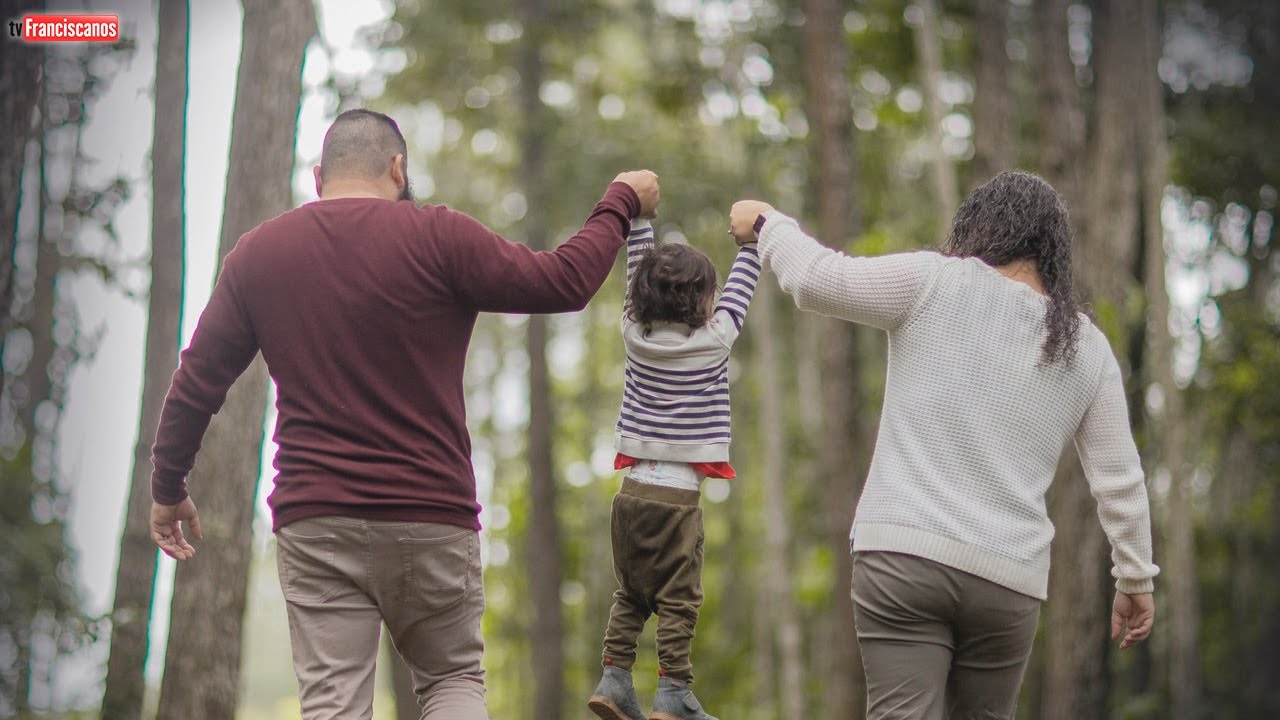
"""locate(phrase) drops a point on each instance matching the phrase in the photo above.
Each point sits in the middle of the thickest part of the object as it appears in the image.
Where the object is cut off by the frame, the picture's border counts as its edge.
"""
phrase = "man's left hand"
(166, 528)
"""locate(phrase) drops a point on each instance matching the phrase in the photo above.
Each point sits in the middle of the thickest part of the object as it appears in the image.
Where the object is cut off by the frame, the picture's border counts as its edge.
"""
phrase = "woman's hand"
(742, 219)
(1132, 615)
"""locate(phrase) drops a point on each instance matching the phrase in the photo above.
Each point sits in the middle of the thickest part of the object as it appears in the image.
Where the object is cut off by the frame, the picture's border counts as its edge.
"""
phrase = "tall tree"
(994, 145)
(782, 618)
(20, 65)
(1074, 674)
(34, 387)
(546, 561)
(1060, 108)
(31, 386)
(1109, 245)
(826, 73)
(1069, 671)
(942, 170)
(402, 691)
(37, 313)
(202, 668)
(1101, 186)
(1168, 426)
(136, 571)
(1221, 177)
(43, 617)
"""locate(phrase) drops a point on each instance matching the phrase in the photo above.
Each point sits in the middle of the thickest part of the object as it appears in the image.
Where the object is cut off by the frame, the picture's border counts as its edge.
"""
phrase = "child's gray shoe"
(615, 696)
(675, 701)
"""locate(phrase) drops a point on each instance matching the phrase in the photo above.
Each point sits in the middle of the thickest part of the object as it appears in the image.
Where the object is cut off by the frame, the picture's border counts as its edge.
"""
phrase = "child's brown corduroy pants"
(657, 559)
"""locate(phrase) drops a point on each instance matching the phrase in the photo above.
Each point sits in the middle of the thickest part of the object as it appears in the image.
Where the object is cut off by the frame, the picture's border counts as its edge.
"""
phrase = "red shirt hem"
(721, 470)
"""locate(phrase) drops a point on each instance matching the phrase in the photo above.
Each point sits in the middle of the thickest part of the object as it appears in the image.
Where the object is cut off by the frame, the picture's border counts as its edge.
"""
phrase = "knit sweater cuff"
(1135, 587)
(785, 248)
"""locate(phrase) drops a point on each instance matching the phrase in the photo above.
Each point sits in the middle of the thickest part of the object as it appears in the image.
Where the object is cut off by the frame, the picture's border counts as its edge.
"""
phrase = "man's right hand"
(166, 528)
(645, 183)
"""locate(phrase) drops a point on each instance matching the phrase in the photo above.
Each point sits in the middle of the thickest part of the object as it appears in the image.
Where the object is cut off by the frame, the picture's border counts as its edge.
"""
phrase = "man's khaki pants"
(938, 642)
(343, 578)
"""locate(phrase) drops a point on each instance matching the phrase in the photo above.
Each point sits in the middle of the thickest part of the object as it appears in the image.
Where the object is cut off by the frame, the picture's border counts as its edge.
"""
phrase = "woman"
(992, 371)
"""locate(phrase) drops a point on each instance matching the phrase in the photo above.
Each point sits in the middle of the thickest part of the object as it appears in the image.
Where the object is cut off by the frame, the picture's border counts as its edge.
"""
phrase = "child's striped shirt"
(675, 399)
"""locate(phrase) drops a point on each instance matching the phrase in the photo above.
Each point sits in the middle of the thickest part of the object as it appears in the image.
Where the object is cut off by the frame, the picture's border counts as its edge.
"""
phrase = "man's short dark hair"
(360, 144)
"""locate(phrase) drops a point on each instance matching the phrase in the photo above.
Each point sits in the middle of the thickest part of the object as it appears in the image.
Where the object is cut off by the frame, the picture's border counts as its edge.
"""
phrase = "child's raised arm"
(738, 289)
(639, 241)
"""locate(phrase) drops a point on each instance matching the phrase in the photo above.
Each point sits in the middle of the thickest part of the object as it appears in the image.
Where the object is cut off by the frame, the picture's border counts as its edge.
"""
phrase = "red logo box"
(70, 28)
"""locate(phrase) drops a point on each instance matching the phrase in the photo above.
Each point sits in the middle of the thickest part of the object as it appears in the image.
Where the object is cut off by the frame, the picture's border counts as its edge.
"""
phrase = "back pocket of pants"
(305, 564)
(437, 571)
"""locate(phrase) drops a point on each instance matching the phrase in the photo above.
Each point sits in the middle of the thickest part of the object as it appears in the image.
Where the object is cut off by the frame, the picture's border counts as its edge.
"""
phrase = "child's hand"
(742, 219)
(645, 183)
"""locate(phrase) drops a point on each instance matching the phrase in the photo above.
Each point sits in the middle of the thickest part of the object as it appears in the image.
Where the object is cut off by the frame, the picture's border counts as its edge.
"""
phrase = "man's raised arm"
(494, 275)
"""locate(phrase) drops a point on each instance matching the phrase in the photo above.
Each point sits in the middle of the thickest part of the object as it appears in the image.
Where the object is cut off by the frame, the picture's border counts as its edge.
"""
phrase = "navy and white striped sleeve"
(639, 242)
(739, 287)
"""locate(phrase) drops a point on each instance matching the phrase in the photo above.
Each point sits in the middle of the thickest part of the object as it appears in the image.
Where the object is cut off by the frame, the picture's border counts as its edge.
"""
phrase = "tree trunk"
(1107, 232)
(763, 656)
(929, 54)
(1076, 628)
(782, 617)
(20, 65)
(37, 316)
(1169, 428)
(994, 143)
(1072, 673)
(402, 692)
(202, 667)
(830, 119)
(136, 571)
(39, 309)
(1061, 114)
(545, 564)
(1110, 248)
(808, 333)
(1062, 131)
(597, 562)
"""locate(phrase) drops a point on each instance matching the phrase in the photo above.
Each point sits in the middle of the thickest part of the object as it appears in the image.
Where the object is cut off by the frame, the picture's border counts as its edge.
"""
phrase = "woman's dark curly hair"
(1018, 215)
(671, 283)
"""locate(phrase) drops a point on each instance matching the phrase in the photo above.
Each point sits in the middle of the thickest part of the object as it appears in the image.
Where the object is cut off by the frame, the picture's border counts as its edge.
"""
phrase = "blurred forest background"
(1159, 121)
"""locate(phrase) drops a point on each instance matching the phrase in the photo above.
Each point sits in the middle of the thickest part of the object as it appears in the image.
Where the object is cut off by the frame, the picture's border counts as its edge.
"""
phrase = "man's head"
(364, 154)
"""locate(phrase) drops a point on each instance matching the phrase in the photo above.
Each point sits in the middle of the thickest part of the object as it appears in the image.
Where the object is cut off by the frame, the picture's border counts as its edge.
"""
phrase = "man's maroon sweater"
(363, 310)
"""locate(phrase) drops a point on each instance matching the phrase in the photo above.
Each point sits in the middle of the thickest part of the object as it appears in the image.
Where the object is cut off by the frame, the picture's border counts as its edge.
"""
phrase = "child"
(672, 432)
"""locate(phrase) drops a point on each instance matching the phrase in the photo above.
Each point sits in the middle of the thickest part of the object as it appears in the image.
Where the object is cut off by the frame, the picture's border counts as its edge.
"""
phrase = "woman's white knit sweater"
(973, 425)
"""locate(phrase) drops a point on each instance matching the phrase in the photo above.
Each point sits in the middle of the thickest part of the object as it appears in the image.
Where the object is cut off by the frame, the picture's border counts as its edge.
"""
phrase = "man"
(363, 306)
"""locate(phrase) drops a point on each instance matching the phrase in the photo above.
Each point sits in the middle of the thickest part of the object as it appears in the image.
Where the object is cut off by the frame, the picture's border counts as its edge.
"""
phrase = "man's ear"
(315, 171)
(398, 171)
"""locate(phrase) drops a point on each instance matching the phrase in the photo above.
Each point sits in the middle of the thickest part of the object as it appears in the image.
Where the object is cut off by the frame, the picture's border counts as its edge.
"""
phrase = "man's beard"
(406, 192)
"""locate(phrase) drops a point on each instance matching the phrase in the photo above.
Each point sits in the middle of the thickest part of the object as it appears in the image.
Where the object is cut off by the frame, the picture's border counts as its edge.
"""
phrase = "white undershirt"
(667, 474)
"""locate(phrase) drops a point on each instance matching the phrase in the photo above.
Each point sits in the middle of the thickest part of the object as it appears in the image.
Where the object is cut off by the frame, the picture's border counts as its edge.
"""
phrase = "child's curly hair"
(671, 283)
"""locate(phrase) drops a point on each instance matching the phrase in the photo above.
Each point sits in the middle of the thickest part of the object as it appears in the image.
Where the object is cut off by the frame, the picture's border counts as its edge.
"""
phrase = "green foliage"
(1222, 103)
(39, 605)
(1220, 146)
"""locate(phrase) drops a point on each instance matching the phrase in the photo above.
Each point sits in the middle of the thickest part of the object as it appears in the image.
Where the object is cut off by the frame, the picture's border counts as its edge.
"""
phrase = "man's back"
(352, 306)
